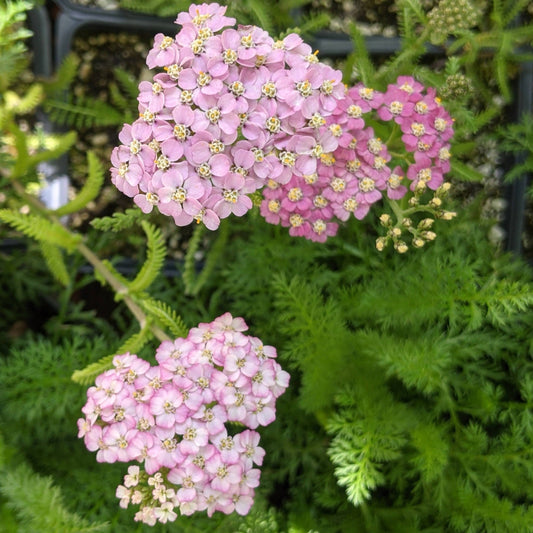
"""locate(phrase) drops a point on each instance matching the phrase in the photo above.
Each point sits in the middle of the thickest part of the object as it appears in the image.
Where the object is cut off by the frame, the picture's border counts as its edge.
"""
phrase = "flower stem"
(119, 288)
(98, 265)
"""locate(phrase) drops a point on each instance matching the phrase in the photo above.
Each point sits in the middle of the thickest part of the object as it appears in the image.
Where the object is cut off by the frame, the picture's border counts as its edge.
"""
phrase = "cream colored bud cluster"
(450, 17)
(405, 229)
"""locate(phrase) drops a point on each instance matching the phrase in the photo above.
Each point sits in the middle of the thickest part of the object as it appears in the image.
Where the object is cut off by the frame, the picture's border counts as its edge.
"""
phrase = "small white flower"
(131, 479)
(124, 494)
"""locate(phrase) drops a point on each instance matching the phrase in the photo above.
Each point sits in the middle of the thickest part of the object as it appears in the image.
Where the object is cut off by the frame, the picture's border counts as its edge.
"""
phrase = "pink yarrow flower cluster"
(171, 418)
(228, 109)
(231, 111)
(357, 170)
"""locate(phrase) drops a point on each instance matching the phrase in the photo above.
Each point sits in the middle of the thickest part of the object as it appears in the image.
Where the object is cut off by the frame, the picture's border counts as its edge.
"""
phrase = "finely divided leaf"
(154, 260)
(167, 316)
(40, 229)
(55, 262)
(90, 189)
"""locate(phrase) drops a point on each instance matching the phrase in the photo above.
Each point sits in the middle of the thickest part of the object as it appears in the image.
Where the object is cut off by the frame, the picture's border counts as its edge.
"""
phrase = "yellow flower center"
(166, 42)
(295, 194)
(338, 184)
(229, 56)
(179, 195)
(319, 226)
(296, 220)
(396, 107)
(367, 184)
(304, 88)
(274, 206)
(273, 124)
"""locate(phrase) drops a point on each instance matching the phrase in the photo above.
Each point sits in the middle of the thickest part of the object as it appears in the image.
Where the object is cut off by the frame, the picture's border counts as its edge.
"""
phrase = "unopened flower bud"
(407, 222)
(429, 235)
(413, 201)
(385, 219)
(443, 189)
(395, 232)
(448, 215)
(381, 242)
(418, 242)
(420, 187)
(435, 202)
(401, 247)
(426, 223)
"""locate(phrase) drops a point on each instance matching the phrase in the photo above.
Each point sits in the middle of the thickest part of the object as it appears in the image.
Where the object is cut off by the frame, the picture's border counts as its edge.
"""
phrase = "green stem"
(98, 265)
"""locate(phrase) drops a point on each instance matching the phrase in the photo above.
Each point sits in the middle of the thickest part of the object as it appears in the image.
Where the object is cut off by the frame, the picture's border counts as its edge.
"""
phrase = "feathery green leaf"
(118, 221)
(56, 264)
(155, 259)
(41, 229)
(166, 316)
(40, 504)
(90, 190)
(88, 374)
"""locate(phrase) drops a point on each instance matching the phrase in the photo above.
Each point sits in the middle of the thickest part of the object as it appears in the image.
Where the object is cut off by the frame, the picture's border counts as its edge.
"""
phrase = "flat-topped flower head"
(176, 413)
(239, 111)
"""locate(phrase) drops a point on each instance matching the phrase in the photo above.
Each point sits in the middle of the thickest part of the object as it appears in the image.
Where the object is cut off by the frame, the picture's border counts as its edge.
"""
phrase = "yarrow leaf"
(118, 221)
(64, 75)
(167, 316)
(40, 504)
(365, 437)
(135, 343)
(211, 260)
(89, 191)
(55, 262)
(40, 228)
(83, 112)
(154, 260)
(87, 375)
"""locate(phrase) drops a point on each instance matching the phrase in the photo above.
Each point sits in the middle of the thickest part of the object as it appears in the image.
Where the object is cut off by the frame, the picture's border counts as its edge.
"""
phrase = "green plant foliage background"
(409, 408)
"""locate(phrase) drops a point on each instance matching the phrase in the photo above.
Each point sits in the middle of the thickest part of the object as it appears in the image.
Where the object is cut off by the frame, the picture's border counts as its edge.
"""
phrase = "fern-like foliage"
(40, 505)
(425, 393)
(40, 229)
(318, 341)
(477, 512)
(13, 56)
(26, 160)
(63, 76)
(166, 316)
(35, 386)
(156, 7)
(155, 258)
(89, 373)
(118, 221)
(129, 85)
(274, 18)
(518, 140)
(83, 112)
(135, 342)
(195, 282)
(15, 104)
(360, 58)
(90, 190)
(189, 267)
(365, 437)
(55, 262)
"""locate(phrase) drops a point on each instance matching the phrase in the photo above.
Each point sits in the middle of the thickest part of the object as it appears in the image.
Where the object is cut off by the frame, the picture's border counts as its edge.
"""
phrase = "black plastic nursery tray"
(72, 18)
